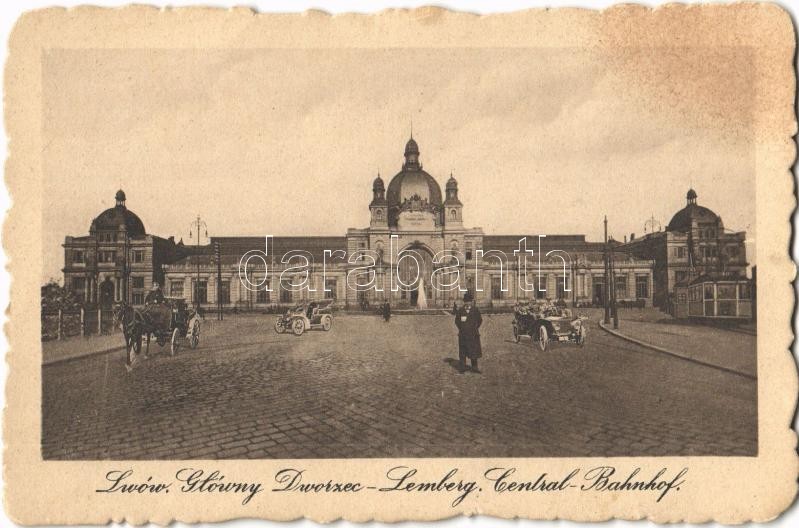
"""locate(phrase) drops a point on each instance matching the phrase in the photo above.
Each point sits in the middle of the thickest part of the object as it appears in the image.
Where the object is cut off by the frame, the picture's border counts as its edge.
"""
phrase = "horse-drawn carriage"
(306, 316)
(545, 323)
(170, 321)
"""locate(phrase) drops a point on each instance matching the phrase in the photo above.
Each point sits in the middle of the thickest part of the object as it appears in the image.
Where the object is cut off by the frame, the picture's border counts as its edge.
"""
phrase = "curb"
(83, 356)
(674, 354)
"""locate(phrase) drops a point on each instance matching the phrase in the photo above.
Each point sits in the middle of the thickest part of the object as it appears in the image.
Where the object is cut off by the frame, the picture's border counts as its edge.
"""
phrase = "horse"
(131, 322)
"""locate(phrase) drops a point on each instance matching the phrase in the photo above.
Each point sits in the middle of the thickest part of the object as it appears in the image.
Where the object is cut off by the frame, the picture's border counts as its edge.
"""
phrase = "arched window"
(379, 214)
(453, 214)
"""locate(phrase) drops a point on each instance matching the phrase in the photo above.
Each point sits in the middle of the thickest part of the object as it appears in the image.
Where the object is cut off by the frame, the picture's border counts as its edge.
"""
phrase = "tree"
(56, 297)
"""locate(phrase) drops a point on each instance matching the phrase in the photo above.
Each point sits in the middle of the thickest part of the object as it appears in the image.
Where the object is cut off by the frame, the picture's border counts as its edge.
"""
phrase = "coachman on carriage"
(168, 319)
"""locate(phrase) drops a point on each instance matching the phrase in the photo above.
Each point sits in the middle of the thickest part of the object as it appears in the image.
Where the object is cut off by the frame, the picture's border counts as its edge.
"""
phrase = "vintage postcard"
(402, 266)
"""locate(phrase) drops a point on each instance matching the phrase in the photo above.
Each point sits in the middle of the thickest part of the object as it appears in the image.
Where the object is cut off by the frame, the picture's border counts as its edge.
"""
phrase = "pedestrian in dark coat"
(386, 311)
(468, 321)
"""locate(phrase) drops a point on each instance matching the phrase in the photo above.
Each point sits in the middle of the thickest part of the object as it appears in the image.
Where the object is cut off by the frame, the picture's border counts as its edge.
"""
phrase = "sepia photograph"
(403, 253)
(399, 266)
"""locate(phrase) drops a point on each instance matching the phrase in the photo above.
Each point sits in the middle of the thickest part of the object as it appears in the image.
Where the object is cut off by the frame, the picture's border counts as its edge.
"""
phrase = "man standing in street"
(468, 321)
(386, 311)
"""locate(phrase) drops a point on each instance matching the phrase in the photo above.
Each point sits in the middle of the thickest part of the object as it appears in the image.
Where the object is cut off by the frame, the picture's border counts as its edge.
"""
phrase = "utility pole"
(613, 307)
(196, 226)
(606, 293)
(218, 258)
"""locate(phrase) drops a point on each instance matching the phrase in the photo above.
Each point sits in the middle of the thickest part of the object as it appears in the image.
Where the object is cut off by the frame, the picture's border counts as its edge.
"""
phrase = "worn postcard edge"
(754, 489)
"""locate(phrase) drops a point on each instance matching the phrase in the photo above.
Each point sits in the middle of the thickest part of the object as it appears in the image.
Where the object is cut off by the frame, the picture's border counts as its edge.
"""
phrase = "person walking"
(386, 311)
(468, 321)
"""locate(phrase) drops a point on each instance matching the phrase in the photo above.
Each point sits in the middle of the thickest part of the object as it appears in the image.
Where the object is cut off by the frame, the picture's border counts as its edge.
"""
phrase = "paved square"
(374, 389)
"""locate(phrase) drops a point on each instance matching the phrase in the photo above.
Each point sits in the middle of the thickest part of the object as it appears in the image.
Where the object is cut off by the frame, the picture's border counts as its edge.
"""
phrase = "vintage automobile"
(546, 323)
(306, 316)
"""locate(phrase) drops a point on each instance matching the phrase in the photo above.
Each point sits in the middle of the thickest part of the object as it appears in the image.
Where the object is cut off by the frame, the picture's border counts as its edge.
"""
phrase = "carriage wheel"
(543, 338)
(327, 323)
(279, 328)
(194, 339)
(516, 336)
(298, 326)
(176, 337)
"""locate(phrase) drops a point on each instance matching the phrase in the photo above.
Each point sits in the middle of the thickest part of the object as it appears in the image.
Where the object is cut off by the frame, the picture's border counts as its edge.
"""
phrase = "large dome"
(412, 184)
(115, 217)
(684, 218)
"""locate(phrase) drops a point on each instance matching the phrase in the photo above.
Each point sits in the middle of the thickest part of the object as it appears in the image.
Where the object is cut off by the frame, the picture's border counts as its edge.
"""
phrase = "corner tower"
(379, 205)
(453, 208)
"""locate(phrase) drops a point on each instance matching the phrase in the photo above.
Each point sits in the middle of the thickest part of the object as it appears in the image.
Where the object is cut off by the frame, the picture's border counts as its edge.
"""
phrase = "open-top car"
(545, 323)
(309, 315)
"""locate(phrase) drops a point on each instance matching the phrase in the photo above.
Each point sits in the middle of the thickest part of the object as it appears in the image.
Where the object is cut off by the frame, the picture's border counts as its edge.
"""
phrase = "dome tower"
(379, 205)
(118, 219)
(453, 208)
(413, 187)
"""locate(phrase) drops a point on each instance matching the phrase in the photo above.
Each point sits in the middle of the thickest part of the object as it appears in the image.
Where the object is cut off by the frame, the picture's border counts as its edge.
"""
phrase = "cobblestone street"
(371, 389)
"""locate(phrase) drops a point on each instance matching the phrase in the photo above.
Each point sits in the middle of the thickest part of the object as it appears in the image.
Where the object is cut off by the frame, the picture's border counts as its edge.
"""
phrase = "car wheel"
(279, 328)
(298, 326)
(327, 323)
(175, 344)
(543, 338)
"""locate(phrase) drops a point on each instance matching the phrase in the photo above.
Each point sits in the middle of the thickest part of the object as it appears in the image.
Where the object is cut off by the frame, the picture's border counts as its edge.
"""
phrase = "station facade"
(371, 265)
(119, 261)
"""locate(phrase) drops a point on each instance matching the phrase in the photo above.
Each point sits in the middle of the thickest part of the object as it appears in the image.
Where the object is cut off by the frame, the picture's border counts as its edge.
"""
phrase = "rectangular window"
(496, 287)
(561, 283)
(176, 288)
(138, 298)
(621, 286)
(138, 282)
(138, 256)
(680, 276)
(641, 286)
(77, 257)
(284, 294)
(78, 284)
(745, 291)
(201, 292)
(468, 251)
(330, 284)
(107, 256)
(726, 291)
(262, 296)
(224, 292)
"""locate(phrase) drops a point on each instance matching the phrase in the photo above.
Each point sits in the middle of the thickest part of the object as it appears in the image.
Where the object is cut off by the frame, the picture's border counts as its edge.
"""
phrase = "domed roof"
(411, 147)
(452, 183)
(684, 218)
(378, 183)
(409, 183)
(115, 217)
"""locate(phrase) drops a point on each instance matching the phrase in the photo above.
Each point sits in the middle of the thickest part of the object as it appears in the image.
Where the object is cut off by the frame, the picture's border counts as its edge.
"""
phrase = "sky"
(288, 142)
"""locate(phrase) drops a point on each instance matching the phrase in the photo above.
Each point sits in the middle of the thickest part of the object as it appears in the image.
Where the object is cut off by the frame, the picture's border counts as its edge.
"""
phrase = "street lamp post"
(606, 293)
(196, 226)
